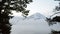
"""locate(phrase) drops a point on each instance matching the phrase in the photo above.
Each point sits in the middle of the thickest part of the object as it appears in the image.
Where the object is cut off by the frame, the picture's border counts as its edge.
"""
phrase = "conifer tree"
(5, 9)
(55, 19)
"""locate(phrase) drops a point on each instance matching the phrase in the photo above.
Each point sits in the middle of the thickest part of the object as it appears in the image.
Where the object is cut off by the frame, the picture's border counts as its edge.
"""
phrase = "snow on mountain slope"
(34, 24)
(15, 20)
(31, 26)
(37, 16)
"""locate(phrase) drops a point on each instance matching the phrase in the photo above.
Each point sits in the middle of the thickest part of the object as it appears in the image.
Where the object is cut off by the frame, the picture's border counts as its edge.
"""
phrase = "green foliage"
(18, 5)
(5, 9)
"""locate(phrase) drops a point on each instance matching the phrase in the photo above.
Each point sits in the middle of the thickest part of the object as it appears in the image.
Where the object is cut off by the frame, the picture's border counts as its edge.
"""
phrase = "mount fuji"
(33, 24)
(37, 16)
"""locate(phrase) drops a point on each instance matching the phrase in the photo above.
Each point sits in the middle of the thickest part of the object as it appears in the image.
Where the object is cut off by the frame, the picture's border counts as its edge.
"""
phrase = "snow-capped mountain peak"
(37, 16)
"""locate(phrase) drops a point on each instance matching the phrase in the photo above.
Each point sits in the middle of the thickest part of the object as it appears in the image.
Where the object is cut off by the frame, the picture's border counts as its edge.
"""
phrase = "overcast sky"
(44, 7)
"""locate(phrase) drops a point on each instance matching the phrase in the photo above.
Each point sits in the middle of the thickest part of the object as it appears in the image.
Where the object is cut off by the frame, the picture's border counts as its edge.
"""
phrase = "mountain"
(37, 16)
(15, 20)
(30, 25)
(20, 25)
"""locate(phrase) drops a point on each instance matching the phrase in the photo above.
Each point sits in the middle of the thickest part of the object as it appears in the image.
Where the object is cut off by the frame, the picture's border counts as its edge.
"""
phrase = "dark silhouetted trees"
(56, 18)
(5, 9)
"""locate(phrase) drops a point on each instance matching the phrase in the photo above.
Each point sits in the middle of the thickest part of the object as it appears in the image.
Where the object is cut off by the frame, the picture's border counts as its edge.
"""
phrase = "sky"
(44, 7)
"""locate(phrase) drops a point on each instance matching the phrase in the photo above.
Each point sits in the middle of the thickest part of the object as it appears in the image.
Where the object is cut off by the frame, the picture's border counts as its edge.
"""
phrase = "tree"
(55, 32)
(5, 9)
(55, 19)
